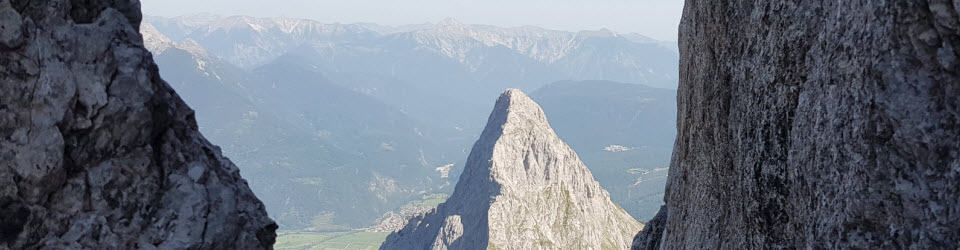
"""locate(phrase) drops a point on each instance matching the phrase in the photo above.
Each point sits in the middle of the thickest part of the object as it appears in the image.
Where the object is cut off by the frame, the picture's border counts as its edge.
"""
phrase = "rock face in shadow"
(522, 188)
(96, 151)
(815, 124)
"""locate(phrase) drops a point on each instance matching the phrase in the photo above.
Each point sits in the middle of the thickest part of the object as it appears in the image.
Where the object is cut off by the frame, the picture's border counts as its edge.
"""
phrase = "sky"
(654, 18)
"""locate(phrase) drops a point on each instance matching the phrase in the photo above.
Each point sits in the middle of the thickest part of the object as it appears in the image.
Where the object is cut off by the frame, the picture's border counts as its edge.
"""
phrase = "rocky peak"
(604, 32)
(98, 152)
(155, 41)
(193, 47)
(522, 188)
(520, 128)
(450, 22)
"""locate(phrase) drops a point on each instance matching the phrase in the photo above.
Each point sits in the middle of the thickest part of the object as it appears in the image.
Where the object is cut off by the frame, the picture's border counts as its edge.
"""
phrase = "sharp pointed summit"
(522, 188)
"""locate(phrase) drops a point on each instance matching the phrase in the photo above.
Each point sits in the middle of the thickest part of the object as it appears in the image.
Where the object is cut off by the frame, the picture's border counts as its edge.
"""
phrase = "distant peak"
(146, 27)
(638, 38)
(449, 22)
(604, 32)
(193, 47)
(153, 39)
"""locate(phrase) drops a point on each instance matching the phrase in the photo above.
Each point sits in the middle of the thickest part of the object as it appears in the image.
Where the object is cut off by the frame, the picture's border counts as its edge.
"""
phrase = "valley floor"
(329, 240)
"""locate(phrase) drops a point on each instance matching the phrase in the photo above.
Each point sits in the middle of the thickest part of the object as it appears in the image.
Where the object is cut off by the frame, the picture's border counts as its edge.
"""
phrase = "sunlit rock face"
(815, 124)
(98, 152)
(523, 188)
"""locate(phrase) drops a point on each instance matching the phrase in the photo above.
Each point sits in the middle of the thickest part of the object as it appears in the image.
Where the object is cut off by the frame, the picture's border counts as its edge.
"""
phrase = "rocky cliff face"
(523, 188)
(815, 124)
(96, 151)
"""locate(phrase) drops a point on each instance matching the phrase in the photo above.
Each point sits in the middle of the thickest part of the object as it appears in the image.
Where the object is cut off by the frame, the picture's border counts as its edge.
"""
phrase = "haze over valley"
(769, 124)
(345, 126)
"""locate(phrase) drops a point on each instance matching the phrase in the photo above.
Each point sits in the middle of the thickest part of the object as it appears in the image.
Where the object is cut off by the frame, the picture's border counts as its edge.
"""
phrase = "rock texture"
(815, 124)
(523, 188)
(96, 151)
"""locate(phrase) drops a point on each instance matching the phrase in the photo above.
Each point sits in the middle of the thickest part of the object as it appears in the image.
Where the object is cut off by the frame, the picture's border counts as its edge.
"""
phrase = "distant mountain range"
(542, 55)
(336, 124)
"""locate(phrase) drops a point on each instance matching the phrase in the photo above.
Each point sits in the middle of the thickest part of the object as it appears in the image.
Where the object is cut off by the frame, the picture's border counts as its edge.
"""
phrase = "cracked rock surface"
(815, 124)
(96, 151)
(522, 188)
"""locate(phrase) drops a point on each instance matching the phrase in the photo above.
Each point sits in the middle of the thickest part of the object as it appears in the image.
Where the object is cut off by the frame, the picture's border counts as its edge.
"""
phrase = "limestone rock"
(96, 151)
(816, 124)
(651, 240)
(522, 188)
(11, 26)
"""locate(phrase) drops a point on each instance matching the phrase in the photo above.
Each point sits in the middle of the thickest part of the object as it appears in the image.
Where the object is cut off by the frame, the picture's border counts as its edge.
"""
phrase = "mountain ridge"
(248, 42)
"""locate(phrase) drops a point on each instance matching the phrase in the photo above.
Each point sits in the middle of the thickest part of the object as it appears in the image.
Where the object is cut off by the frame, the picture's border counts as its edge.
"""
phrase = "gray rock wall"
(824, 124)
(96, 151)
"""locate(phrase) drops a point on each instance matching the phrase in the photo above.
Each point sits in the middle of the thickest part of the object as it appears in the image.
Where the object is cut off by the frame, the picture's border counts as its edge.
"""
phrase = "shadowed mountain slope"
(98, 152)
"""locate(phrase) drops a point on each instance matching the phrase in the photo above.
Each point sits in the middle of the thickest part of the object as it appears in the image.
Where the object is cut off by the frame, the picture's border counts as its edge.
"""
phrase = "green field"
(430, 200)
(341, 237)
(331, 240)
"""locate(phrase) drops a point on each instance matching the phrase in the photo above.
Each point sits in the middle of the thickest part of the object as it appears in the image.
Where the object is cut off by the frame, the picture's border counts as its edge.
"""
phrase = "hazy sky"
(654, 18)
